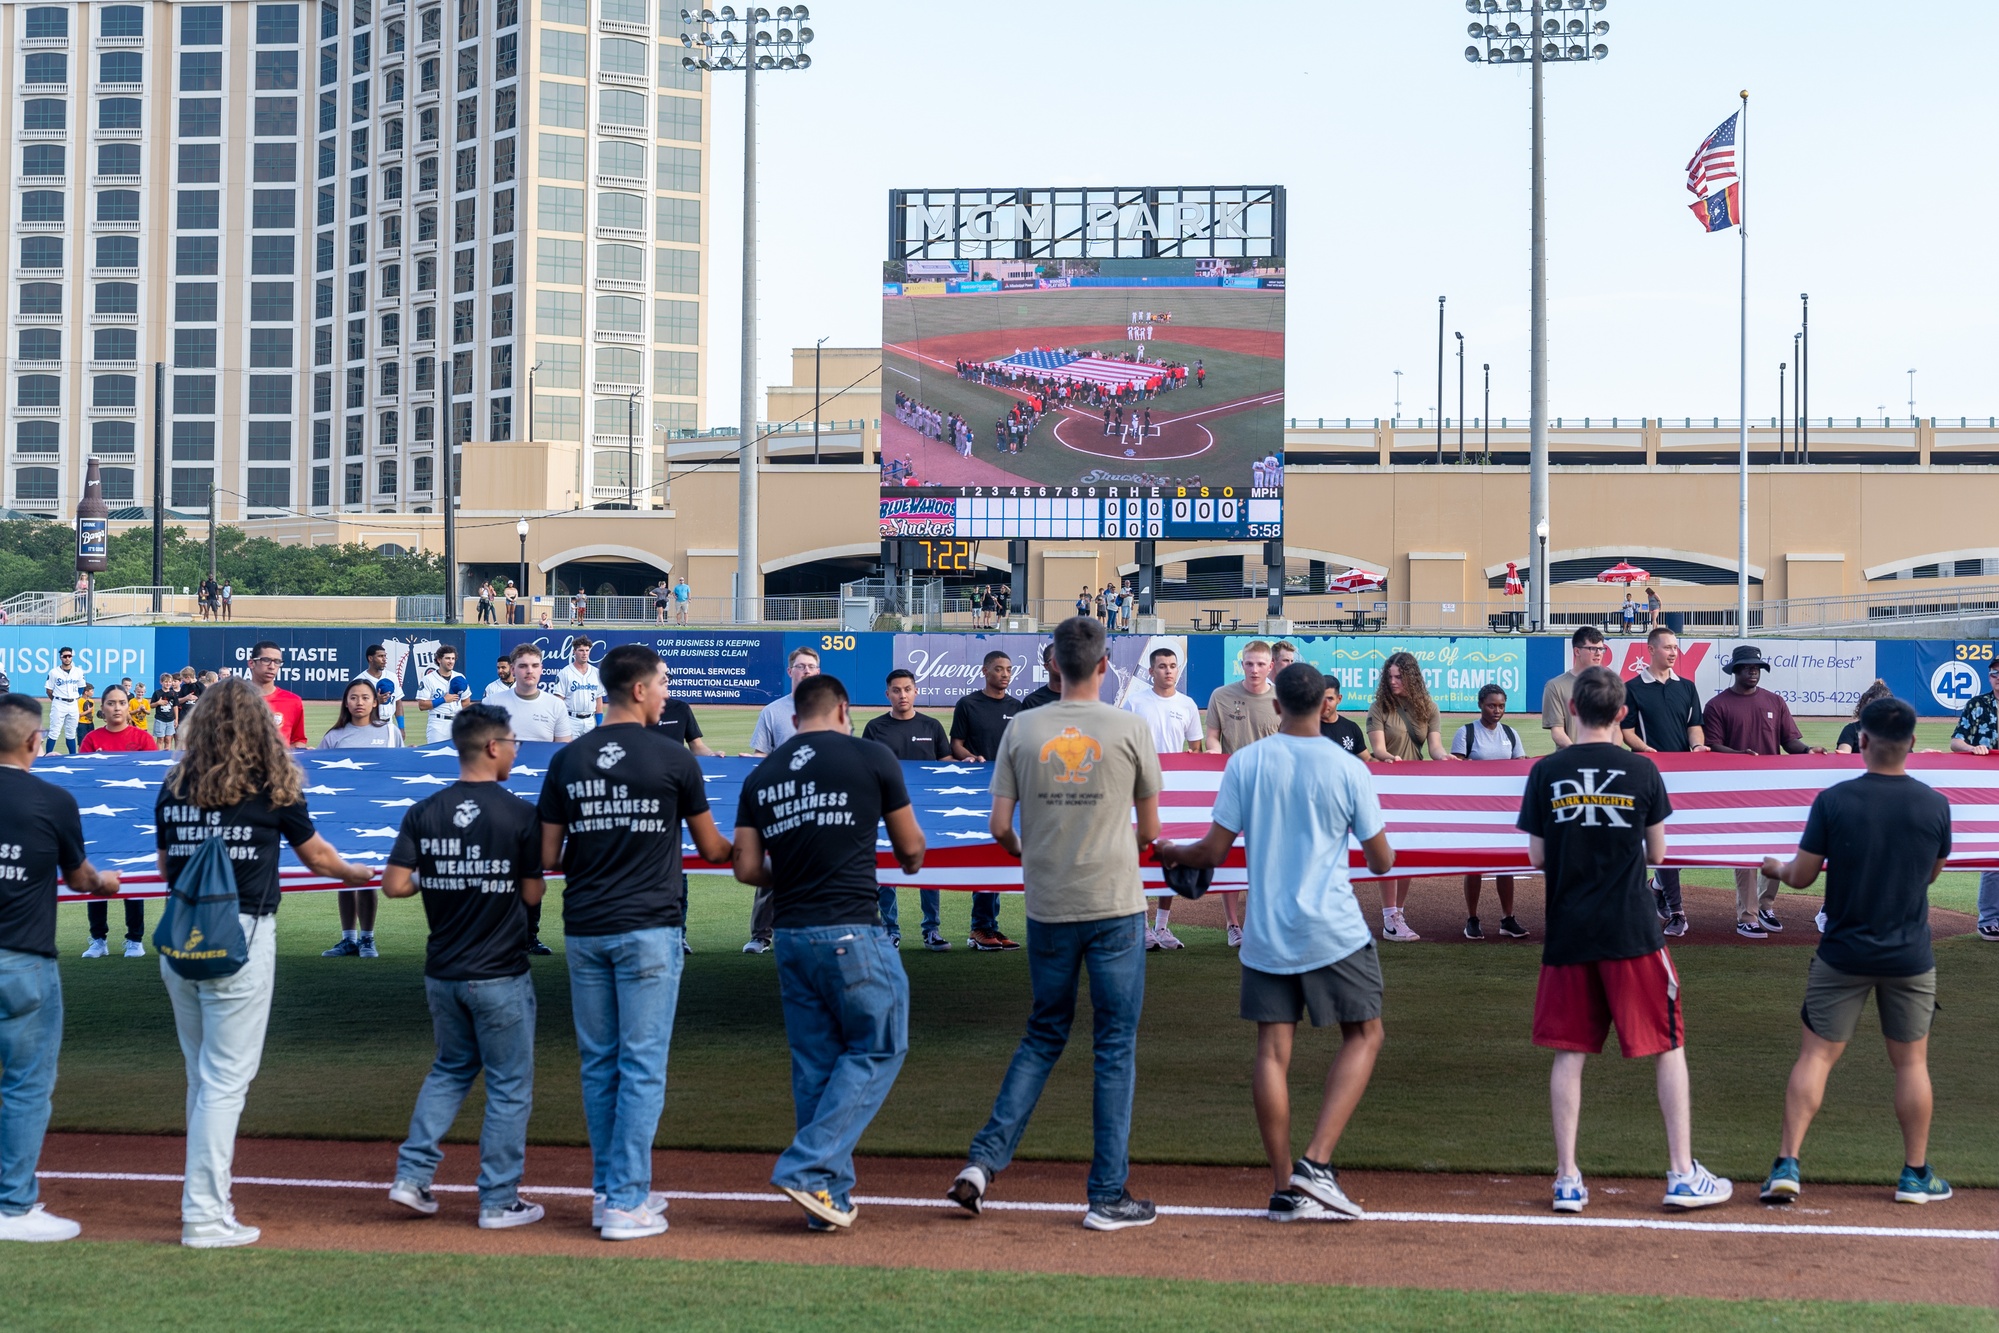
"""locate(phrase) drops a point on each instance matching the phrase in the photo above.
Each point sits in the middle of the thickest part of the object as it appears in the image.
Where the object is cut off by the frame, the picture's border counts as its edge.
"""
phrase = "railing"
(33, 608)
(1632, 423)
(139, 605)
(708, 612)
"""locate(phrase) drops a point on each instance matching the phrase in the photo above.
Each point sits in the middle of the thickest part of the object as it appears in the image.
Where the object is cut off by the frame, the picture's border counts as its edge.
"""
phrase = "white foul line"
(1165, 1210)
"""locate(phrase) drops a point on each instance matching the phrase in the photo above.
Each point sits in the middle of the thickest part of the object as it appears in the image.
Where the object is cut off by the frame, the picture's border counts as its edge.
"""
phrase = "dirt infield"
(1436, 909)
(1445, 1231)
(948, 349)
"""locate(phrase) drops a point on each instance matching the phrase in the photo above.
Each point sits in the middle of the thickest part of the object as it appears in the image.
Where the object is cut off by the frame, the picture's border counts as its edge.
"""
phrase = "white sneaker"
(417, 1198)
(655, 1203)
(221, 1235)
(1151, 940)
(134, 949)
(37, 1225)
(1698, 1188)
(515, 1214)
(636, 1224)
(1397, 928)
(1235, 937)
(98, 949)
(757, 946)
(1167, 939)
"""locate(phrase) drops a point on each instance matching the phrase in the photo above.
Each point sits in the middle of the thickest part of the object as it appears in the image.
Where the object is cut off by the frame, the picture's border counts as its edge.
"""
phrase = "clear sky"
(1870, 156)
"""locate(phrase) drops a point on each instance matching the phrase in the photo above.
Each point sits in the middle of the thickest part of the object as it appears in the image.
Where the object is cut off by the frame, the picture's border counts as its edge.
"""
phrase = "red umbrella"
(1355, 580)
(1513, 588)
(1624, 573)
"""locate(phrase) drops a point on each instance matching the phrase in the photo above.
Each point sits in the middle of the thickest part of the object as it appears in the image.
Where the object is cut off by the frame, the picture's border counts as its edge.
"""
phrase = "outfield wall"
(1820, 677)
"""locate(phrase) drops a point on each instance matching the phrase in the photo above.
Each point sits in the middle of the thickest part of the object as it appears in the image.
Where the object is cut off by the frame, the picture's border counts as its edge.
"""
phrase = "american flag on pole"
(1713, 163)
(1443, 818)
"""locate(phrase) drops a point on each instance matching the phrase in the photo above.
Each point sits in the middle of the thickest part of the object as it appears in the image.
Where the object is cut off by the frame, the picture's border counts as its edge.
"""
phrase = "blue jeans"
(30, 1040)
(1988, 897)
(480, 1025)
(891, 918)
(1113, 949)
(624, 989)
(846, 1015)
(985, 911)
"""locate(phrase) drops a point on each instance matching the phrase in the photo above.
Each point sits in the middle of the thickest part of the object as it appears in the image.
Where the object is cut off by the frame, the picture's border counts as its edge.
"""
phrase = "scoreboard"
(1085, 512)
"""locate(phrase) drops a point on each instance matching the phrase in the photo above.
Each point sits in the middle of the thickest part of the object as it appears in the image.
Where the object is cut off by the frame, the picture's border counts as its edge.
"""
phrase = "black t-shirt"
(622, 791)
(676, 722)
(1881, 836)
(1849, 736)
(44, 834)
(1662, 711)
(1345, 735)
(1047, 694)
(979, 720)
(918, 737)
(816, 802)
(190, 690)
(253, 829)
(471, 845)
(1591, 805)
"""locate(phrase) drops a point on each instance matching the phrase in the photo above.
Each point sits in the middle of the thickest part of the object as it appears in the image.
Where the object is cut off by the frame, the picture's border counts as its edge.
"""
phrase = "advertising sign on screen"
(1816, 677)
(1454, 669)
(949, 666)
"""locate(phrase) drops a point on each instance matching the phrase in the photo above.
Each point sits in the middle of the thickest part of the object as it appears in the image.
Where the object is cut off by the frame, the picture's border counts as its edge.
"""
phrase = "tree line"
(40, 556)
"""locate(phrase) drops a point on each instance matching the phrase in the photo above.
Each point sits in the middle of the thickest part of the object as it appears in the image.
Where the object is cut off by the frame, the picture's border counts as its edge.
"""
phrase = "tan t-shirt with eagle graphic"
(1076, 769)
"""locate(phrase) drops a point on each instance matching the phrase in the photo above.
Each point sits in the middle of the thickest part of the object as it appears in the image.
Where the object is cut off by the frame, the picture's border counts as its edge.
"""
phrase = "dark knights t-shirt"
(676, 722)
(1662, 711)
(1881, 837)
(471, 845)
(1345, 735)
(916, 737)
(622, 791)
(253, 829)
(816, 802)
(1591, 805)
(980, 720)
(44, 834)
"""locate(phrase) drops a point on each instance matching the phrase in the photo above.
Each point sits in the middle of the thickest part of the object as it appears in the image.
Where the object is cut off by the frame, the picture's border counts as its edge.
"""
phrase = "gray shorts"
(163, 730)
(1348, 991)
(1833, 1001)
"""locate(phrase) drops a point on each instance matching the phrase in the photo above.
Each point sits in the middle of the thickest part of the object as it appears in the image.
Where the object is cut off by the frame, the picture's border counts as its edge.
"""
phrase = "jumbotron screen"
(1083, 398)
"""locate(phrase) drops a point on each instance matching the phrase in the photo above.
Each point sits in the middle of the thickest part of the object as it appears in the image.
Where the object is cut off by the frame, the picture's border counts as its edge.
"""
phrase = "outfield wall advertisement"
(1819, 677)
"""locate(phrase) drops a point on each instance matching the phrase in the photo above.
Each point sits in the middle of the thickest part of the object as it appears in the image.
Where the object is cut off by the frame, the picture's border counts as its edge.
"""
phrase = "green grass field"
(87, 1286)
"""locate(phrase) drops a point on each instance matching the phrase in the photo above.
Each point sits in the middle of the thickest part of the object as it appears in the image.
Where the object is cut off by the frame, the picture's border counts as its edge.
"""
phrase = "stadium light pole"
(1461, 397)
(1797, 387)
(1440, 381)
(1804, 378)
(1781, 367)
(1486, 420)
(1398, 395)
(724, 41)
(1500, 40)
(1912, 395)
(521, 531)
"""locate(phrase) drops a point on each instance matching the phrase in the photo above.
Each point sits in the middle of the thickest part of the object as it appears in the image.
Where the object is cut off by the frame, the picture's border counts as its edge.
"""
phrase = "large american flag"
(1713, 163)
(1067, 367)
(1443, 818)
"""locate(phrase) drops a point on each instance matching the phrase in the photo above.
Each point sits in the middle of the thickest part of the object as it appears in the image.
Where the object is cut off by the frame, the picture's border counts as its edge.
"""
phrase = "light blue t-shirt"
(1295, 799)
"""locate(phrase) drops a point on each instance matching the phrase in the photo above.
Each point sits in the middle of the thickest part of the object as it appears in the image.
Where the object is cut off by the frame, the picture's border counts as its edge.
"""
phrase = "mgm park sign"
(1139, 222)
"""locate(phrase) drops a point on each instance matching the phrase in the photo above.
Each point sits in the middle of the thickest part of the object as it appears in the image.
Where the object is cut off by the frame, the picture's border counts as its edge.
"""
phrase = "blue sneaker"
(1921, 1185)
(1571, 1195)
(1784, 1184)
(1698, 1188)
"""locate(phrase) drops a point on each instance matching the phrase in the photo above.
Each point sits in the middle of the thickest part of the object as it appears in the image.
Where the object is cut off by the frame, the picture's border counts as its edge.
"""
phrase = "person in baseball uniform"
(62, 689)
(580, 688)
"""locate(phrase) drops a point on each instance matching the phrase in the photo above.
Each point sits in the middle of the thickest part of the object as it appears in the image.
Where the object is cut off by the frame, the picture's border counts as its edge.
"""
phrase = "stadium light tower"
(1563, 32)
(724, 41)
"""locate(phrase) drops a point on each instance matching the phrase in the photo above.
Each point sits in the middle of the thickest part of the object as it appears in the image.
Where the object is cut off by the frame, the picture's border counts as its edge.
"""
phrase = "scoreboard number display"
(936, 555)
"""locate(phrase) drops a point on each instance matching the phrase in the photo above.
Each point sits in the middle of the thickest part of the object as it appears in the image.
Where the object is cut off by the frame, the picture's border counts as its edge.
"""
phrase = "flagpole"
(1742, 371)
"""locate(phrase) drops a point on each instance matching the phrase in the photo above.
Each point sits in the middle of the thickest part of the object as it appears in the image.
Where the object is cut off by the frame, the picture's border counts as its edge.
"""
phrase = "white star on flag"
(157, 763)
(131, 860)
(341, 763)
(960, 812)
(142, 828)
(398, 802)
(323, 790)
(140, 783)
(47, 769)
(961, 835)
(374, 833)
(443, 752)
(948, 768)
(530, 772)
(956, 791)
(105, 810)
(425, 780)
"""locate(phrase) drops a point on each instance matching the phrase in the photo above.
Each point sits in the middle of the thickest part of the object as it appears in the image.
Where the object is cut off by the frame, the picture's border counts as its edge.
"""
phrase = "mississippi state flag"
(1721, 209)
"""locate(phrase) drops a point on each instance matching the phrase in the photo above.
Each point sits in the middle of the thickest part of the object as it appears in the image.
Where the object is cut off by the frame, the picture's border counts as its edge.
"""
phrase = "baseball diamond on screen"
(1083, 398)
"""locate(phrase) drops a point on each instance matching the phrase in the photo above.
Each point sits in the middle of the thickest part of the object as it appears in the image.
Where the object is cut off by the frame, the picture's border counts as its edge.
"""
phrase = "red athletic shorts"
(1576, 1004)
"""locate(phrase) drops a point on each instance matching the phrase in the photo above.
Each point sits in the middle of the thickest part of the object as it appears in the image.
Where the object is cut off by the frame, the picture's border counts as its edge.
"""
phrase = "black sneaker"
(1752, 929)
(1989, 932)
(538, 949)
(1295, 1206)
(968, 1191)
(1472, 932)
(935, 943)
(345, 949)
(1678, 925)
(1322, 1182)
(1770, 921)
(1511, 928)
(1120, 1213)
(1659, 903)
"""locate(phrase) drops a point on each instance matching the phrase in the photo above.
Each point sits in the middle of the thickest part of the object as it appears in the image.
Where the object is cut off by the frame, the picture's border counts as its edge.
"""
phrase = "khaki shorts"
(1348, 991)
(1833, 1001)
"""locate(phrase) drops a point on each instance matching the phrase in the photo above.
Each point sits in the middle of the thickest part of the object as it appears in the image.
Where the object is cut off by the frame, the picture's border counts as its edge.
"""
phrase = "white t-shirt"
(541, 717)
(1473, 741)
(433, 687)
(1296, 801)
(582, 691)
(494, 690)
(381, 737)
(775, 726)
(64, 686)
(1174, 720)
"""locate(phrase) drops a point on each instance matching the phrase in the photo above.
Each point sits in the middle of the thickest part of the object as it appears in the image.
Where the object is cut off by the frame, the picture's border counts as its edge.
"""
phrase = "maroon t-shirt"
(1758, 723)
